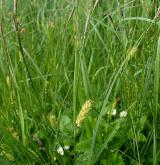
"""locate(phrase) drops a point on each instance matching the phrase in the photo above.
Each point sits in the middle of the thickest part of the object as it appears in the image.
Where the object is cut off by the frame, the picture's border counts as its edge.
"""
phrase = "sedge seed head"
(23, 30)
(8, 82)
(46, 83)
(5, 152)
(14, 134)
(53, 121)
(132, 52)
(10, 14)
(83, 112)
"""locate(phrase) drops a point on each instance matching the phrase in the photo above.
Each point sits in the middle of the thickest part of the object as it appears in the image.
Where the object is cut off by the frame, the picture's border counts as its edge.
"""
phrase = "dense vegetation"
(80, 82)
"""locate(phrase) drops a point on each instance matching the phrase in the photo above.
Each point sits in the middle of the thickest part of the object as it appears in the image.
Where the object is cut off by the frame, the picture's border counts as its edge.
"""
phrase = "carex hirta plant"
(79, 82)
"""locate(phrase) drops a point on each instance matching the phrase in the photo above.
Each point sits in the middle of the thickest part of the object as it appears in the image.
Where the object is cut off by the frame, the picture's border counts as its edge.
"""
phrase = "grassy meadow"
(79, 82)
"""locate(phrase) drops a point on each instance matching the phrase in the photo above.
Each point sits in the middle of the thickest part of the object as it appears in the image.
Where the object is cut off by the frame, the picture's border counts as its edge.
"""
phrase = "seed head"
(23, 30)
(53, 121)
(8, 82)
(132, 52)
(14, 134)
(83, 112)
(10, 14)
(5, 152)
(46, 87)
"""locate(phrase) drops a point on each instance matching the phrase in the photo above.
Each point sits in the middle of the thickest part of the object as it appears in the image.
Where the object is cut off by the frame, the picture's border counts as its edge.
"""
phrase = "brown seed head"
(23, 30)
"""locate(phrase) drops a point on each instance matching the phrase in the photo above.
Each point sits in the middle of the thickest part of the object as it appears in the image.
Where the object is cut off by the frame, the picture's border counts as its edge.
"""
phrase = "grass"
(56, 55)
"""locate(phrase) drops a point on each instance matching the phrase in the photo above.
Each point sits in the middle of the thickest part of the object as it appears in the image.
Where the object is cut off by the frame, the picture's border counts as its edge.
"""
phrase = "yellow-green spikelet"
(131, 53)
(53, 121)
(14, 134)
(83, 112)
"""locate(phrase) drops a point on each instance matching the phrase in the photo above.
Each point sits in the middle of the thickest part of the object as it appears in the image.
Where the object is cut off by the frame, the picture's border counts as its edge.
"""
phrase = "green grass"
(56, 55)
